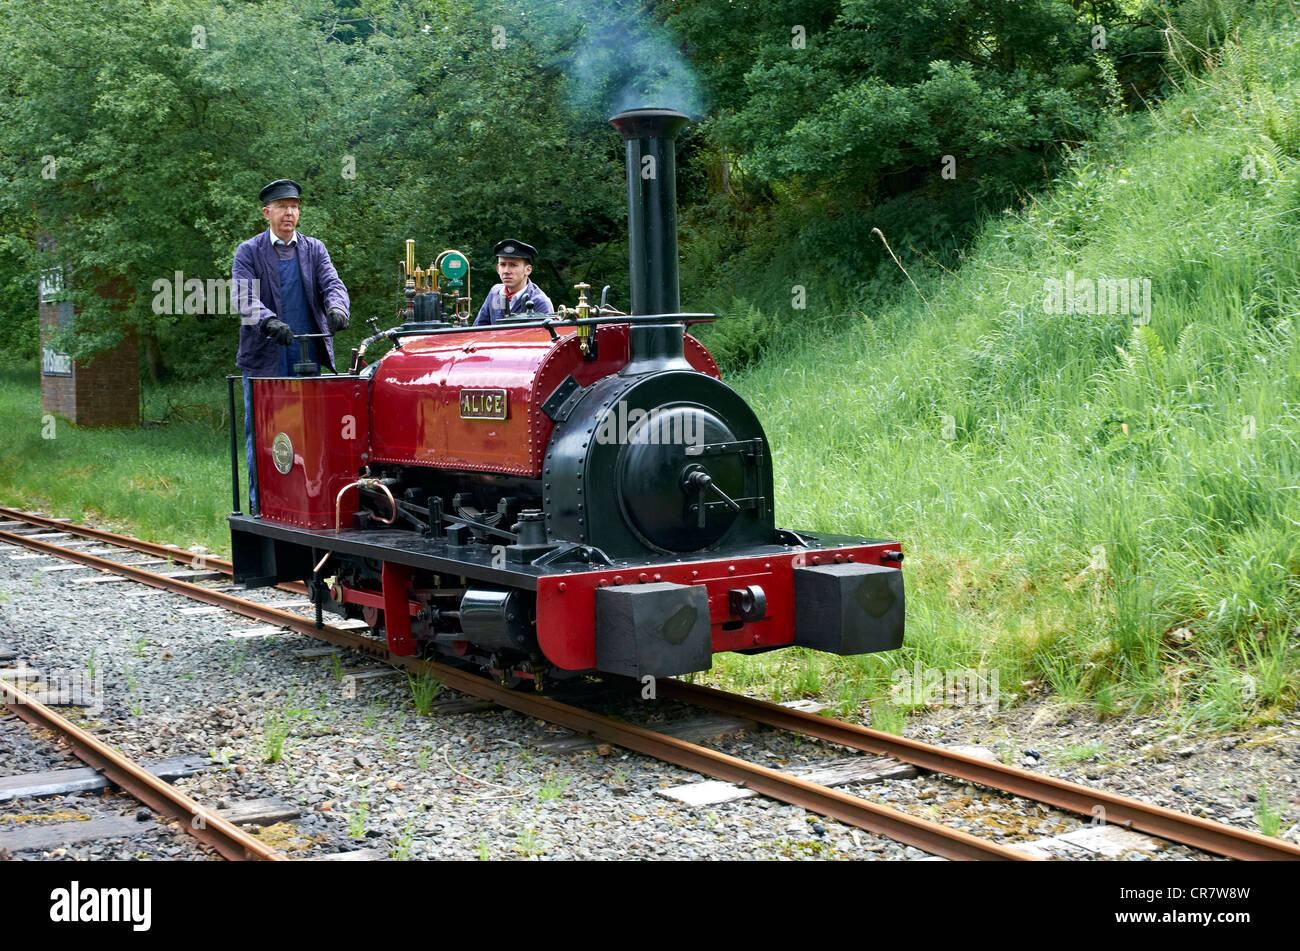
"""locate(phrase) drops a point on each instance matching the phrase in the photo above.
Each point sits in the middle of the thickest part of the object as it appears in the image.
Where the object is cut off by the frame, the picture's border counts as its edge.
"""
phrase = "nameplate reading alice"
(482, 404)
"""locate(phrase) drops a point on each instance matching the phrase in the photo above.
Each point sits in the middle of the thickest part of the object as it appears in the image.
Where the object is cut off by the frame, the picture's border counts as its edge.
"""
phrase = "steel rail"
(162, 797)
(852, 810)
(1204, 834)
(1114, 809)
(124, 541)
(170, 552)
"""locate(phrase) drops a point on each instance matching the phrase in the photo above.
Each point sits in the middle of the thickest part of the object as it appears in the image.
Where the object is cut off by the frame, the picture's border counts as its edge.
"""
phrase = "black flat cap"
(280, 188)
(510, 248)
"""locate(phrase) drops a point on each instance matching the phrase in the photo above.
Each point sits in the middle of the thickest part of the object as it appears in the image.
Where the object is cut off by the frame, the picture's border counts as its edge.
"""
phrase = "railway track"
(166, 800)
(931, 837)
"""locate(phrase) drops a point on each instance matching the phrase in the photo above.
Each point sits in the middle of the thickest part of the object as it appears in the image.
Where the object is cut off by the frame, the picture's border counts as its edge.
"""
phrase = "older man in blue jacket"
(283, 284)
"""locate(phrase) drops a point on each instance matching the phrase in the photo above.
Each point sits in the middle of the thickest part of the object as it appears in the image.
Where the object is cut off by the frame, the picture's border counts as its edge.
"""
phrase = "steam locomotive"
(550, 496)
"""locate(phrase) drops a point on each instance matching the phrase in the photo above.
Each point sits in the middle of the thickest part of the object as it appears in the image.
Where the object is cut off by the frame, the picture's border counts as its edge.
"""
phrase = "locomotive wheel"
(373, 616)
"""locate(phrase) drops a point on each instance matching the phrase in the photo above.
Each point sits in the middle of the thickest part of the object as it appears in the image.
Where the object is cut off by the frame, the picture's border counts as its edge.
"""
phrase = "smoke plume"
(619, 57)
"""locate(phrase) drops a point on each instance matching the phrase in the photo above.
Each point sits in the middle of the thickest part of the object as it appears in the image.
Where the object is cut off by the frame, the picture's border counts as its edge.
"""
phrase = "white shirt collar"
(275, 240)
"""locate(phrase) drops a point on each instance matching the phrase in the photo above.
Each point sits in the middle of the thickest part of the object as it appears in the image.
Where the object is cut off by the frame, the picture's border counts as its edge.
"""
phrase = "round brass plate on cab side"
(282, 453)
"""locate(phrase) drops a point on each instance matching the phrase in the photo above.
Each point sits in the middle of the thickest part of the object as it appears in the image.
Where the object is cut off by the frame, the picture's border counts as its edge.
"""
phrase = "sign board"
(54, 363)
(483, 404)
(51, 285)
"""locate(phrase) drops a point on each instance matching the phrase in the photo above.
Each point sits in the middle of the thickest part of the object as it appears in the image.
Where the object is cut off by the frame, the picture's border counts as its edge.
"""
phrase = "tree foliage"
(137, 137)
(834, 116)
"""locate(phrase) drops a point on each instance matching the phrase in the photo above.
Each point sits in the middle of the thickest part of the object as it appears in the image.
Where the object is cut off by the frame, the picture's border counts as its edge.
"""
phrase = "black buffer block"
(848, 608)
(660, 629)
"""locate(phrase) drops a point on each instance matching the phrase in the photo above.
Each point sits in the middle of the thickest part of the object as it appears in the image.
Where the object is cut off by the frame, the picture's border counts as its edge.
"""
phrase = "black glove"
(337, 318)
(278, 331)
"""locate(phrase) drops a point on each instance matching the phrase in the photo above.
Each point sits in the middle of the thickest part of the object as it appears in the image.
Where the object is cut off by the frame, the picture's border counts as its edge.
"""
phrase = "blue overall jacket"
(322, 289)
(494, 307)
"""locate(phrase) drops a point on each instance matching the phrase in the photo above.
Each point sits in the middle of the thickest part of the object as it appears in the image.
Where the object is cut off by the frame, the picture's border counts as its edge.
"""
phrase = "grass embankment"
(166, 482)
(1095, 507)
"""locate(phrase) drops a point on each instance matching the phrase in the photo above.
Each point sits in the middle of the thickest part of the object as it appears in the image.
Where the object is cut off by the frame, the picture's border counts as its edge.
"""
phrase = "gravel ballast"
(369, 773)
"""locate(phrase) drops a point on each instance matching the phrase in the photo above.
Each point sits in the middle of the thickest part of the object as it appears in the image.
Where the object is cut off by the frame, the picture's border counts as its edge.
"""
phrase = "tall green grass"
(1074, 489)
(168, 481)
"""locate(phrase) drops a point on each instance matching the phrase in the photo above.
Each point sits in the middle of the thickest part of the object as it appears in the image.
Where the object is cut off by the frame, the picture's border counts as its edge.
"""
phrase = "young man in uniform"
(511, 296)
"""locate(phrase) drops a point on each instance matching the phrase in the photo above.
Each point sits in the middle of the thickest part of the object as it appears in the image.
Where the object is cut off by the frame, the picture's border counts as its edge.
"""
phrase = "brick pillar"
(101, 391)
(108, 387)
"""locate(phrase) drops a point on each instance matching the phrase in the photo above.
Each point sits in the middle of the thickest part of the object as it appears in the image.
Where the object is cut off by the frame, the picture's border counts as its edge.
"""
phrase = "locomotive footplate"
(265, 553)
(635, 617)
(669, 618)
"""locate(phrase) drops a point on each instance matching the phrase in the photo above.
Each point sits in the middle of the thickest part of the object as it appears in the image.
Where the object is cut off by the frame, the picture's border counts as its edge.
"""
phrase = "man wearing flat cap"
(283, 284)
(512, 295)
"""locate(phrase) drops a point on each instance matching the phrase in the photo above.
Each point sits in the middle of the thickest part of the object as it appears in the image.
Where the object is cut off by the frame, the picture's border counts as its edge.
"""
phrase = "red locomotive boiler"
(552, 495)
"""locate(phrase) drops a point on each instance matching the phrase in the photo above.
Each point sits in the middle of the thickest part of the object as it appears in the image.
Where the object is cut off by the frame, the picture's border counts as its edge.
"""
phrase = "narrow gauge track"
(229, 840)
(170, 552)
(932, 837)
(851, 810)
(1199, 833)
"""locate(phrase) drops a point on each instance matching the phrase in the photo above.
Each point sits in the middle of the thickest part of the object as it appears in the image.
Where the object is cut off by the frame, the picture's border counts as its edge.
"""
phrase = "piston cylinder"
(497, 620)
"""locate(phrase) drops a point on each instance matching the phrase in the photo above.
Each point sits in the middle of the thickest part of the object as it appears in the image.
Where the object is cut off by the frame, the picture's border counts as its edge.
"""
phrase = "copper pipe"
(364, 484)
(391, 501)
(338, 504)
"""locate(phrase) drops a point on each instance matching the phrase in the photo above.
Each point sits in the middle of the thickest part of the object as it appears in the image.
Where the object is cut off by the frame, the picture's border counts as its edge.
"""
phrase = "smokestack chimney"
(652, 206)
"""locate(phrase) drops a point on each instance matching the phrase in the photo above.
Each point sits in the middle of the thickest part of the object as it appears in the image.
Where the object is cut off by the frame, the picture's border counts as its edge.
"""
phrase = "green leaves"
(156, 125)
(915, 116)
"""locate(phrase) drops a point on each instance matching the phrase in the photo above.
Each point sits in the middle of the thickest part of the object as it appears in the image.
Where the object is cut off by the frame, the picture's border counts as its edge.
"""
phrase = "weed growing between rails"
(424, 690)
(1097, 502)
